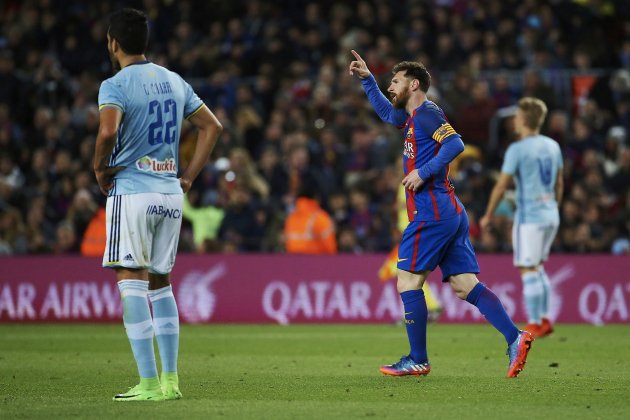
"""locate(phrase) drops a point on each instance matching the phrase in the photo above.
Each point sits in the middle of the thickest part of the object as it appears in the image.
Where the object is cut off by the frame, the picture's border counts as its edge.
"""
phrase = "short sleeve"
(193, 102)
(434, 124)
(111, 94)
(510, 161)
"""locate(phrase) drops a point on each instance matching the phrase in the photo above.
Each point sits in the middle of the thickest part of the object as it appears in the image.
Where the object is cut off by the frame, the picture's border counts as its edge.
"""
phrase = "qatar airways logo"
(409, 152)
(148, 164)
(197, 300)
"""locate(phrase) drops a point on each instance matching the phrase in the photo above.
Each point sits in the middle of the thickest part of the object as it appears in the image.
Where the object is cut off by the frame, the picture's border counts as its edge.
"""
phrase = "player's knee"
(462, 284)
(158, 281)
(462, 294)
(410, 281)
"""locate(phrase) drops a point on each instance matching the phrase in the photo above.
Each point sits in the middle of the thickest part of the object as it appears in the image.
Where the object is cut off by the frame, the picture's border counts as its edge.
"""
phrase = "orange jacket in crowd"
(94, 238)
(309, 229)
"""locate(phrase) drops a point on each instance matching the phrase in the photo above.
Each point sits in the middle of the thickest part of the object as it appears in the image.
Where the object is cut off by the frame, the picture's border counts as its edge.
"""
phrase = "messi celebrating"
(437, 234)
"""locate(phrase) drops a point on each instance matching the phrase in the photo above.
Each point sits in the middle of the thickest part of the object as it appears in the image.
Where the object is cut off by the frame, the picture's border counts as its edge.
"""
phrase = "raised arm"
(380, 103)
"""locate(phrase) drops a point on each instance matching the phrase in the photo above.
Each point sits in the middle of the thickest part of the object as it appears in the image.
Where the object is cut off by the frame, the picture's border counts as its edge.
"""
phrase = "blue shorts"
(444, 243)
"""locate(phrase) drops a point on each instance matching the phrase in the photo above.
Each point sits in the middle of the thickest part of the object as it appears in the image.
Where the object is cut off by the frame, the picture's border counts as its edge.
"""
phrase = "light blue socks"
(138, 324)
(166, 324)
(533, 293)
(546, 299)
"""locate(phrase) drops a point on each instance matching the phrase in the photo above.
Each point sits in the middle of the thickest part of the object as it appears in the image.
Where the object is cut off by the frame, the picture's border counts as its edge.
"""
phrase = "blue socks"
(546, 299)
(416, 322)
(533, 294)
(490, 307)
(138, 324)
(166, 324)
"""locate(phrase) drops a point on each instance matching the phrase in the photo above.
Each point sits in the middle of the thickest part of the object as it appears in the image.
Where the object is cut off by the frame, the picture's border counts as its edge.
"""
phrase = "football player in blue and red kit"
(437, 234)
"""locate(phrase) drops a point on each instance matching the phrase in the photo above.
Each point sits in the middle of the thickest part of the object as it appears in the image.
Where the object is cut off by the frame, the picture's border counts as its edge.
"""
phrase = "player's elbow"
(107, 133)
(458, 146)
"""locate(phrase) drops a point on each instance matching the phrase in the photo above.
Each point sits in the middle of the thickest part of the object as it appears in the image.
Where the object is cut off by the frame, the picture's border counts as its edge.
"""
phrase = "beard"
(400, 101)
(115, 63)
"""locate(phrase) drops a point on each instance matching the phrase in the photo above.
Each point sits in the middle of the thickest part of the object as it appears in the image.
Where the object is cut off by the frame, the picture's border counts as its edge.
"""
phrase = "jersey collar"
(138, 62)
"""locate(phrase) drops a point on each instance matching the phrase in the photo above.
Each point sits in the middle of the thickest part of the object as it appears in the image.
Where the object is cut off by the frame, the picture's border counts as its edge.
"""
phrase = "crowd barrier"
(288, 289)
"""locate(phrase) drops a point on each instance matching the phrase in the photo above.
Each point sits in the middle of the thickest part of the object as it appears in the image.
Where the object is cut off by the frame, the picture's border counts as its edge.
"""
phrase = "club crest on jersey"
(148, 164)
(409, 152)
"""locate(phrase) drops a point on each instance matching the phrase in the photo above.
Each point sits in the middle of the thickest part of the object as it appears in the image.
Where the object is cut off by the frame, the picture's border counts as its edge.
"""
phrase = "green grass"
(61, 371)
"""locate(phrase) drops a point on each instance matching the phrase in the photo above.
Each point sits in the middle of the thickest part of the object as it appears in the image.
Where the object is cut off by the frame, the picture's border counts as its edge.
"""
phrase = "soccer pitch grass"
(317, 371)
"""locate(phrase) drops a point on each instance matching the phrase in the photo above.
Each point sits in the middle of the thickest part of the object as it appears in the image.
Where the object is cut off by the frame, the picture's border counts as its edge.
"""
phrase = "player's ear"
(415, 84)
(114, 45)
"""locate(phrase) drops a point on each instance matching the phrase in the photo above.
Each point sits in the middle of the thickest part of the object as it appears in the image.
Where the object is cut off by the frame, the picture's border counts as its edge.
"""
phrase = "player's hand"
(358, 66)
(185, 184)
(413, 181)
(105, 177)
(485, 221)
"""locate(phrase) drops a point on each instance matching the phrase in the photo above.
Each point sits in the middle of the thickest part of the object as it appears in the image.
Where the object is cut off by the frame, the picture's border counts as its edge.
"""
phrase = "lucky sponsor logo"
(149, 164)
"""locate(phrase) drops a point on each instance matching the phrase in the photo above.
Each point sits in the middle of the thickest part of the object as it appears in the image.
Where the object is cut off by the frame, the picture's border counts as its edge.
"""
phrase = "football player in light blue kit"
(136, 165)
(535, 164)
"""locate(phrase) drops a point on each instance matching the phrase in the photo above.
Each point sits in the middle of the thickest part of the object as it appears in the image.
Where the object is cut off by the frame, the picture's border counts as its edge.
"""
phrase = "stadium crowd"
(275, 74)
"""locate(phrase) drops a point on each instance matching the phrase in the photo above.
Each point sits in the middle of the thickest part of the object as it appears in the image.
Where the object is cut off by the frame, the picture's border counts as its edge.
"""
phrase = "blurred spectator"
(205, 222)
(474, 118)
(309, 229)
(94, 237)
(13, 239)
(276, 78)
(241, 228)
(66, 239)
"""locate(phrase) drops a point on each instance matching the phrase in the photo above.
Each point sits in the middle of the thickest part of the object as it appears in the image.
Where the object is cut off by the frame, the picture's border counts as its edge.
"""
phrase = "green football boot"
(170, 386)
(148, 389)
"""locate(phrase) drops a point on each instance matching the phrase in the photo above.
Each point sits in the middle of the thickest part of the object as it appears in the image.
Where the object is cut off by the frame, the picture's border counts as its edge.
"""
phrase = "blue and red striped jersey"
(424, 132)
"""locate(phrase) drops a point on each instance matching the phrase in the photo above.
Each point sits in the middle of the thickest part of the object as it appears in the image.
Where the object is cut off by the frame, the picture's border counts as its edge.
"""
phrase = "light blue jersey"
(154, 101)
(534, 163)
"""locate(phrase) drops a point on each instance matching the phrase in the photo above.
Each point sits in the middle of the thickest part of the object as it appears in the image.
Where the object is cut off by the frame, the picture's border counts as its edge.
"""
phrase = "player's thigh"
(128, 233)
(166, 234)
(549, 235)
(459, 256)
(423, 245)
(527, 243)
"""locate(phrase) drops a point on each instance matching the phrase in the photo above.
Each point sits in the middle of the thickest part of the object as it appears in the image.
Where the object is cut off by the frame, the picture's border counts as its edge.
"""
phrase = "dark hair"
(415, 70)
(130, 27)
(309, 187)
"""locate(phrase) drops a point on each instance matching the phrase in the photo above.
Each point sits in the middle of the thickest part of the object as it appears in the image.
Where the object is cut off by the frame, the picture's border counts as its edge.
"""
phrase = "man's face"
(112, 55)
(399, 91)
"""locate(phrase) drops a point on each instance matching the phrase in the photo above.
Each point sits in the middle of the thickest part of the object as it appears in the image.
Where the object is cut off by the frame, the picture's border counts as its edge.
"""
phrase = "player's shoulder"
(514, 147)
(115, 80)
(167, 71)
(429, 108)
(430, 117)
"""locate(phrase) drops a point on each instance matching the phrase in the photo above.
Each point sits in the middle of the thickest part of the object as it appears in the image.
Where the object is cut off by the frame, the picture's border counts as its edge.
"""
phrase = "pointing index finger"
(356, 55)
